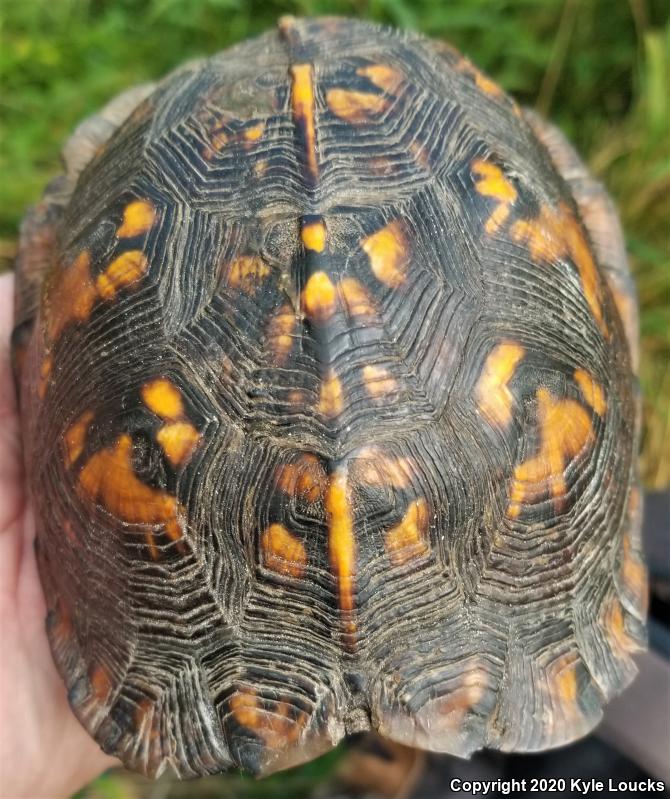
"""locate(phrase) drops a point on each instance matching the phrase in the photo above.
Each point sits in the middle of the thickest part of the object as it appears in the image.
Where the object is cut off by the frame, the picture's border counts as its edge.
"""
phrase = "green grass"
(599, 68)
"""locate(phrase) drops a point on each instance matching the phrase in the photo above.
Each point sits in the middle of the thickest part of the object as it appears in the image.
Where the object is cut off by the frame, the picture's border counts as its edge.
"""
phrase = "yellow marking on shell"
(313, 236)
(379, 382)
(46, 368)
(138, 218)
(592, 391)
(303, 108)
(277, 723)
(481, 80)
(71, 297)
(387, 250)
(304, 477)
(247, 272)
(342, 543)
(101, 684)
(75, 436)
(281, 333)
(108, 477)
(374, 467)
(355, 107)
(123, 271)
(331, 396)
(634, 574)
(469, 691)
(555, 234)
(178, 441)
(565, 431)
(383, 76)
(494, 398)
(407, 540)
(490, 181)
(615, 623)
(163, 398)
(356, 298)
(319, 297)
(283, 552)
(253, 133)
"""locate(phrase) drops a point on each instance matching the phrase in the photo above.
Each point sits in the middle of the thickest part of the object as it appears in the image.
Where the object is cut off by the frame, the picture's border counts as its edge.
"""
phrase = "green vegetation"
(599, 68)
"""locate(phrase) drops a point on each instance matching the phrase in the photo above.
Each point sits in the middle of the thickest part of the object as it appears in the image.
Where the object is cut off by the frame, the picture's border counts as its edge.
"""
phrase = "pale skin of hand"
(44, 752)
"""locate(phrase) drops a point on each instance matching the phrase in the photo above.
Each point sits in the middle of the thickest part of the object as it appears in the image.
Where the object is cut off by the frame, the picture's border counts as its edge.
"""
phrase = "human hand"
(44, 752)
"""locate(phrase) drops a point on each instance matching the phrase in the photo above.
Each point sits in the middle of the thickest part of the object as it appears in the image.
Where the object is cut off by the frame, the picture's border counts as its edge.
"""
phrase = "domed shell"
(327, 356)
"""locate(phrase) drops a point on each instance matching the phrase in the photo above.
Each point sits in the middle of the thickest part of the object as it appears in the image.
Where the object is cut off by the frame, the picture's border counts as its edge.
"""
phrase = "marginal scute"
(276, 722)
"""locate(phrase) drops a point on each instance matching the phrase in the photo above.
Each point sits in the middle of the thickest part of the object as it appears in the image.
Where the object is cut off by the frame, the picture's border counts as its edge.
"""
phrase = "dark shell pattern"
(327, 355)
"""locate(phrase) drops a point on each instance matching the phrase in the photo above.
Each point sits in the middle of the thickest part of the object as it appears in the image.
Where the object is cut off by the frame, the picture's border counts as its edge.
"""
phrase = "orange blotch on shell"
(277, 723)
(565, 429)
(101, 684)
(374, 467)
(313, 236)
(283, 552)
(75, 436)
(281, 332)
(163, 398)
(138, 217)
(556, 234)
(123, 271)
(388, 252)
(247, 272)
(356, 298)
(253, 133)
(178, 441)
(303, 108)
(331, 396)
(492, 393)
(305, 477)
(592, 391)
(342, 541)
(614, 623)
(490, 181)
(470, 690)
(46, 367)
(379, 382)
(383, 76)
(108, 478)
(355, 107)
(407, 540)
(319, 297)
(71, 297)
(481, 80)
(634, 575)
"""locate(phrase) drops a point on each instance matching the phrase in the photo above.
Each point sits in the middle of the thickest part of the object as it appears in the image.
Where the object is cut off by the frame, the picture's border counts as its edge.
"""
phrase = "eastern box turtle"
(327, 357)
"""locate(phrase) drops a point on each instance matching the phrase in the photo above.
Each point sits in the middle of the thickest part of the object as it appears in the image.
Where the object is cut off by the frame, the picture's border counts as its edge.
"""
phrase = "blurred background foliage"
(599, 68)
